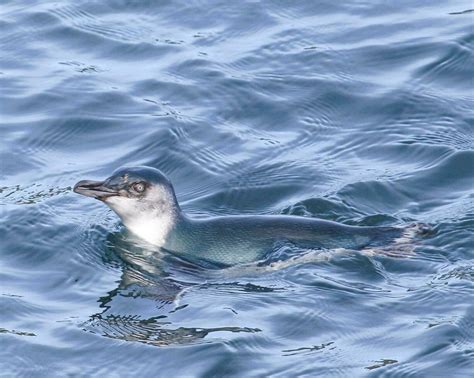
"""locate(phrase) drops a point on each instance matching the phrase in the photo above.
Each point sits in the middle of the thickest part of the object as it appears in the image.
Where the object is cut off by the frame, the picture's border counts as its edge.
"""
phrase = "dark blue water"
(359, 112)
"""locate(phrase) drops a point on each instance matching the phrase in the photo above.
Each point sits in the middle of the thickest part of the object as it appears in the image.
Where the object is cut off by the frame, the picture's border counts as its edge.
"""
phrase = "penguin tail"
(405, 244)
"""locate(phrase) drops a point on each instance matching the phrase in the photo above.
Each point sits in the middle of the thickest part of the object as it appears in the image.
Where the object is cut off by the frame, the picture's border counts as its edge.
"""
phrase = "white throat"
(154, 230)
(151, 220)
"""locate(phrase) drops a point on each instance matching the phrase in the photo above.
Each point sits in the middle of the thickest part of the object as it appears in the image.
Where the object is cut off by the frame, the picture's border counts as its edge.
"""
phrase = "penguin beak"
(94, 189)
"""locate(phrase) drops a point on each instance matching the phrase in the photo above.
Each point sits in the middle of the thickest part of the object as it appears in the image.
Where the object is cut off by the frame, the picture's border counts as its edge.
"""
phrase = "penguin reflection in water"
(144, 279)
(145, 200)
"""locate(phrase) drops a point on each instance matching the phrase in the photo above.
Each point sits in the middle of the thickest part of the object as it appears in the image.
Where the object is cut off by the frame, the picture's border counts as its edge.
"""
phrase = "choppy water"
(359, 112)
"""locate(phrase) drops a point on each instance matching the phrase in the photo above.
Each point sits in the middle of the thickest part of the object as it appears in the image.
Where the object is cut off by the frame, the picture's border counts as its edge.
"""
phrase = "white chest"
(153, 231)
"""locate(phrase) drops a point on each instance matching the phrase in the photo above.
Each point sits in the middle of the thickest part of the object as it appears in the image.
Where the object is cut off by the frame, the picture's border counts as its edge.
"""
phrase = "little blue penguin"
(145, 200)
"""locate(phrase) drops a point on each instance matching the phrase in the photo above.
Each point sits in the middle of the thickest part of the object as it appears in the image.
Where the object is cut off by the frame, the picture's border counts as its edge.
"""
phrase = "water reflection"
(315, 348)
(152, 331)
(147, 276)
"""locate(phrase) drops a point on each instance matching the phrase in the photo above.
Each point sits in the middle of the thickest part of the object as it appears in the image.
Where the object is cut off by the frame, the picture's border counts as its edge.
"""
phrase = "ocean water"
(359, 112)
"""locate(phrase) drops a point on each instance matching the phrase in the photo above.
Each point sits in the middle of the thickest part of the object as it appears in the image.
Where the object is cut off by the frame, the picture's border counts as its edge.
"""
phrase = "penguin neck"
(153, 230)
(158, 226)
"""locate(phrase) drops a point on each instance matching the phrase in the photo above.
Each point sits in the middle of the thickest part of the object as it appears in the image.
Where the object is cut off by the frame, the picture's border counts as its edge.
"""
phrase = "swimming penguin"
(145, 200)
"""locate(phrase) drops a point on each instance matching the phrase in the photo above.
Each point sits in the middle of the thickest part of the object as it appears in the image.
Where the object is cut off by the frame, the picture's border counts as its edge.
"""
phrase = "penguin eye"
(139, 187)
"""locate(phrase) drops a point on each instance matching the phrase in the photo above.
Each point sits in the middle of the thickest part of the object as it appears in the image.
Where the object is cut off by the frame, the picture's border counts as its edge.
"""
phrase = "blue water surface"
(359, 112)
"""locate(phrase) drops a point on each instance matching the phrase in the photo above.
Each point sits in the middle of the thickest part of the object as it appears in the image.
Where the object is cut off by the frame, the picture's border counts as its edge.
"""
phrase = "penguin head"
(141, 196)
